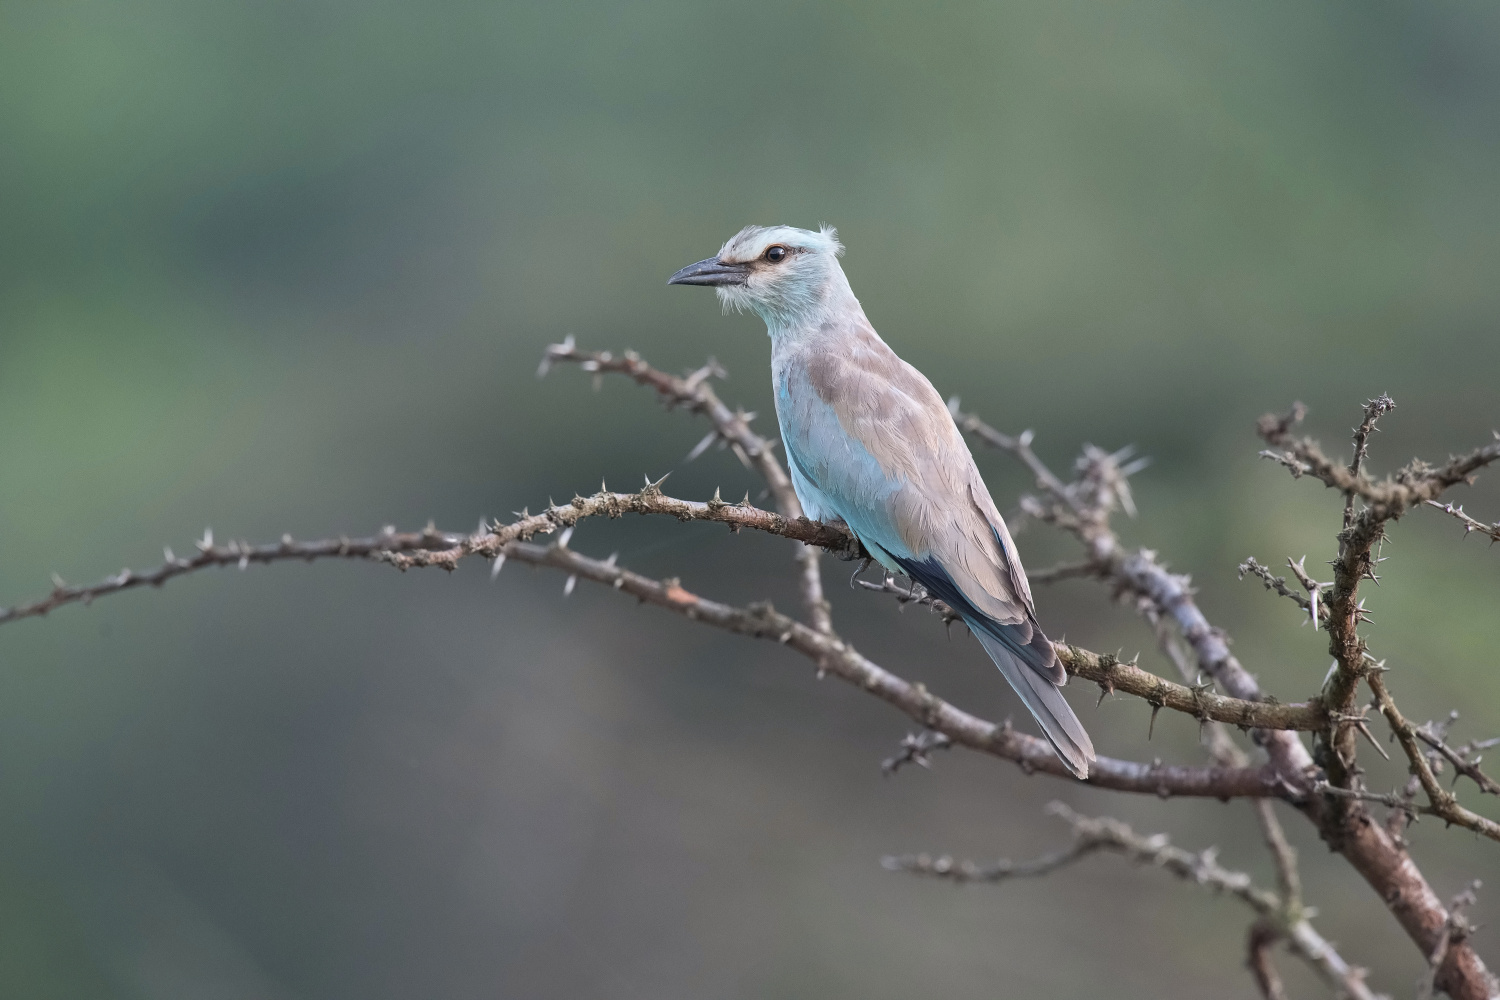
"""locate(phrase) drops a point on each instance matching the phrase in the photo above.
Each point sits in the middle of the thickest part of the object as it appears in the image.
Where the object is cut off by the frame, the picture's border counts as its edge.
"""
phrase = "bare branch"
(1393, 800)
(1317, 610)
(1091, 835)
(444, 550)
(1376, 852)
(1461, 757)
(1113, 674)
(432, 548)
(915, 749)
(240, 554)
(1019, 446)
(1288, 879)
(1103, 833)
(1457, 928)
(1387, 498)
(1082, 507)
(1262, 937)
(834, 656)
(733, 426)
(912, 593)
(1062, 571)
(1374, 409)
(1492, 531)
(1384, 501)
(1158, 593)
(1441, 802)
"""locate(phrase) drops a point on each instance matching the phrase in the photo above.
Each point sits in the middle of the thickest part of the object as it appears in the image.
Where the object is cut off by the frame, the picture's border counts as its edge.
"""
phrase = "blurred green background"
(284, 266)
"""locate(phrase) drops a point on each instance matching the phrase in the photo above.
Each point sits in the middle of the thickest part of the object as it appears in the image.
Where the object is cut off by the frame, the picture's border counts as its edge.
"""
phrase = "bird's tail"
(1043, 699)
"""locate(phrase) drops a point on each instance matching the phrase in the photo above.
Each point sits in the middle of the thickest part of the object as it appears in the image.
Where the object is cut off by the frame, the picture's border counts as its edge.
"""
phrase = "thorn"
(1151, 728)
(207, 542)
(702, 446)
(953, 406)
(168, 556)
(562, 540)
(572, 582)
(1360, 725)
(57, 582)
(497, 565)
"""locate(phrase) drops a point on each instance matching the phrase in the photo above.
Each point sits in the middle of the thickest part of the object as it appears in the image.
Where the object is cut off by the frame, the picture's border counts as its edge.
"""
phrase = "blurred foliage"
(289, 267)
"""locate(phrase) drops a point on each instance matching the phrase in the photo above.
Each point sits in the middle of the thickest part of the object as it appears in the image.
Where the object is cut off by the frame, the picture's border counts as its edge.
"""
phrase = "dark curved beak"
(711, 272)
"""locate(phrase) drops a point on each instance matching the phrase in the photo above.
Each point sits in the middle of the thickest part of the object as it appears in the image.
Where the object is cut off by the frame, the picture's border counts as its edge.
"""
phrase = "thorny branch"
(1455, 930)
(1470, 523)
(431, 548)
(1465, 757)
(1313, 603)
(916, 748)
(1258, 959)
(1282, 917)
(1343, 821)
(1331, 796)
(1113, 674)
(836, 657)
(732, 427)
(1378, 853)
(444, 550)
(1384, 500)
(1083, 508)
(1440, 801)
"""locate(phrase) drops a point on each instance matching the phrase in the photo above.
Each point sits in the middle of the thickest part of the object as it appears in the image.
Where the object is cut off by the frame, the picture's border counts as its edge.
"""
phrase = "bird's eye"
(776, 254)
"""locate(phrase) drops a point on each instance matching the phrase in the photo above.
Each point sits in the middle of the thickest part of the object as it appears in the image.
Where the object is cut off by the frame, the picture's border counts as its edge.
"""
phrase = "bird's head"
(778, 272)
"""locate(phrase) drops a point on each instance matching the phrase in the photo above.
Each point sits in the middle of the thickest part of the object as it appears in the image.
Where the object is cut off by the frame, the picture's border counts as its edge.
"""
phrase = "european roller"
(869, 442)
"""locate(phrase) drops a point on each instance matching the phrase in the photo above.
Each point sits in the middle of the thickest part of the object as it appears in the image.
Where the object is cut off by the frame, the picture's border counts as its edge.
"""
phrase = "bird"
(870, 442)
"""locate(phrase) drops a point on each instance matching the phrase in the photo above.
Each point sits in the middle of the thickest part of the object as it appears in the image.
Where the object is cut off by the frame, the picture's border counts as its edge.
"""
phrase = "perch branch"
(731, 426)
(832, 654)
(1113, 674)
(431, 548)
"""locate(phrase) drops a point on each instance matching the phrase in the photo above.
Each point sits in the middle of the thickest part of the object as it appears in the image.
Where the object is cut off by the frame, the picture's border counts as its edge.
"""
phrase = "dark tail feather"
(1045, 702)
